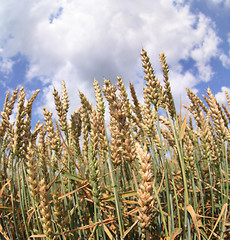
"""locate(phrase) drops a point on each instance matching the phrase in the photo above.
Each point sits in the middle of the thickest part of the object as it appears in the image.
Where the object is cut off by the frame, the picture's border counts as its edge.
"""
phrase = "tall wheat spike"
(153, 174)
(144, 192)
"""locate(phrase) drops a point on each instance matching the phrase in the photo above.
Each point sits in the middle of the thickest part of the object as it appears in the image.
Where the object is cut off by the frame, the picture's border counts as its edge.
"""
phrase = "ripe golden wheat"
(159, 175)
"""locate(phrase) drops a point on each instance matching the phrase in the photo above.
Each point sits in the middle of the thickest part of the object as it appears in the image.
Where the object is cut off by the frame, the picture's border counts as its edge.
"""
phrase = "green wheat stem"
(114, 185)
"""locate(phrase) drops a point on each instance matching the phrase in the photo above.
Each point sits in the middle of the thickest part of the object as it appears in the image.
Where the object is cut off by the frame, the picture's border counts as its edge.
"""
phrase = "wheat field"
(148, 173)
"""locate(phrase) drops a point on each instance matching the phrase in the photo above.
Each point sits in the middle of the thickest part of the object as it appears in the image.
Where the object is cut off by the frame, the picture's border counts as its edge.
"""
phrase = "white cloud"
(6, 66)
(221, 96)
(179, 83)
(225, 3)
(217, 1)
(207, 47)
(104, 39)
(225, 59)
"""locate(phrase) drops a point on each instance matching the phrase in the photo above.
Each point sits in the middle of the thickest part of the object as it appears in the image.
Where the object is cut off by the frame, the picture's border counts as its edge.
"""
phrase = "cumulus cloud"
(221, 96)
(225, 59)
(78, 41)
(225, 3)
(6, 66)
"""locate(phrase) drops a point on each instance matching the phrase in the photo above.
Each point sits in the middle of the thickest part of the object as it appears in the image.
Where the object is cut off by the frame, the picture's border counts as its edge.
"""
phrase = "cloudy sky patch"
(44, 42)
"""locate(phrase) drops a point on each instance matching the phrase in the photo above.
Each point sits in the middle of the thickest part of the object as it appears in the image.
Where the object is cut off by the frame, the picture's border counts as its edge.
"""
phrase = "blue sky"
(43, 42)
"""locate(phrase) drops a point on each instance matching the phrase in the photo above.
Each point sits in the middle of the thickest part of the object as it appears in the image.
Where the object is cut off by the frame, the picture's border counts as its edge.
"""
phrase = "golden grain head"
(63, 178)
